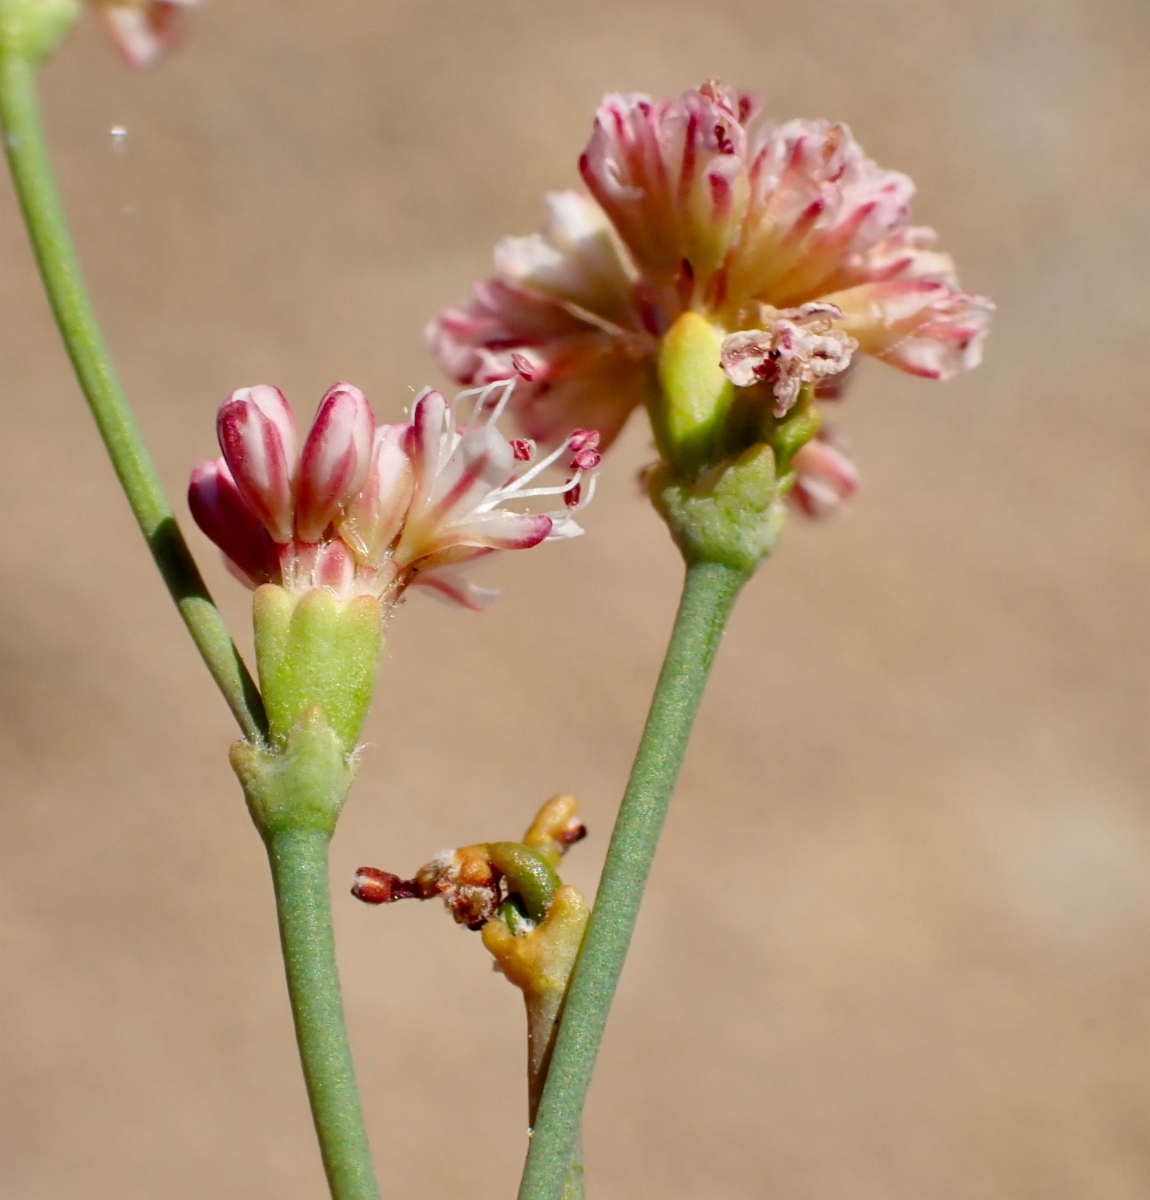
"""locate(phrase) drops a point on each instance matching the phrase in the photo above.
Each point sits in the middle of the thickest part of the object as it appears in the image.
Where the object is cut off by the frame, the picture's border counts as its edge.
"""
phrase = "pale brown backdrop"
(897, 945)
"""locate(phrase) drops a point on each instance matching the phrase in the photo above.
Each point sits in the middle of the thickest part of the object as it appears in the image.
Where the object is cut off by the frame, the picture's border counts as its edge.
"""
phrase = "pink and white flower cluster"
(695, 205)
(373, 509)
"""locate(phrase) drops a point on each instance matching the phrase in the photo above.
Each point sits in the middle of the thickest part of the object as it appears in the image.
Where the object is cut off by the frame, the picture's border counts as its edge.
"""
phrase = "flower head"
(786, 237)
(370, 510)
(143, 31)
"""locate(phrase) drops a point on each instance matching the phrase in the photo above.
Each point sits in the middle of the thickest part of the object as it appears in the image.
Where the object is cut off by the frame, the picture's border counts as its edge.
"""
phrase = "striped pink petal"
(335, 460)
(825, 479)
(334, 567)
(257, 436)
(222, 513)
(924, 327)
(376, 516)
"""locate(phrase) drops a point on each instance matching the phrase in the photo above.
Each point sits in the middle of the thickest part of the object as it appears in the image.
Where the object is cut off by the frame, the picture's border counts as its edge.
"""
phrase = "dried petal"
(797, 347)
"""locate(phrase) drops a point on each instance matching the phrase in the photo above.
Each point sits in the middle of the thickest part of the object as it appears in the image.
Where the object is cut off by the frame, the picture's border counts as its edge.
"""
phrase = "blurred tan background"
(897, 945)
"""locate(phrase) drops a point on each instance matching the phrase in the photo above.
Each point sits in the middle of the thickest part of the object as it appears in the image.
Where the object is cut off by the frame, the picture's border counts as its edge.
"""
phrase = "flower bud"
(143, 30)
(335, 460)
(222, 513)
(695, 394)
(257, 435)
(825, 479)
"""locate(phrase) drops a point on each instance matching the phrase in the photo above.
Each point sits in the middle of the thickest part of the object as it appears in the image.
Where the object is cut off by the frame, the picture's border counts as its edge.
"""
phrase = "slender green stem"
(709, 593)
(60, 271)
(303, 903)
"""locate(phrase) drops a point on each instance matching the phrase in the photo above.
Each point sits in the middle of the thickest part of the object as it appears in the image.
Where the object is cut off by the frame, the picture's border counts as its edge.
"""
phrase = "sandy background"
(898, 941)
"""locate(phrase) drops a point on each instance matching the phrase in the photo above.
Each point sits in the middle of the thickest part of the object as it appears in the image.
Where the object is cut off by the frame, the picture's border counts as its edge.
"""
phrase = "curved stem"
(60, 271)
(709, 593)
(303, 904)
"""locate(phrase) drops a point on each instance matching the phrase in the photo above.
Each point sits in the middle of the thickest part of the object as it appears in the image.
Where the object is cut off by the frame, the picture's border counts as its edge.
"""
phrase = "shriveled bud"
(556, 828)
(374, 886)
(335, 460)
(466, 881)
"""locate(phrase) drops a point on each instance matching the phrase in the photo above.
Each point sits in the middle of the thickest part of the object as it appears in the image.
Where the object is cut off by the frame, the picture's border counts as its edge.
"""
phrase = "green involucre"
(317, 649)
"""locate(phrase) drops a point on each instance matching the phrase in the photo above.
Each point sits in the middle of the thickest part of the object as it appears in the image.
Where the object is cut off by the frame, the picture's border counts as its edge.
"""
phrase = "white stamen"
(547, 491)
(541, 465)
(497, 411)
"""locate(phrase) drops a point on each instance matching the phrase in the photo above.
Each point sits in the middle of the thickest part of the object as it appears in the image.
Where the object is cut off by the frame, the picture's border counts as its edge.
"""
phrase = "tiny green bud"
(694, 394)
(317, 649)
(32, 29)
(730, 515)
(300, 784)
(792, 434)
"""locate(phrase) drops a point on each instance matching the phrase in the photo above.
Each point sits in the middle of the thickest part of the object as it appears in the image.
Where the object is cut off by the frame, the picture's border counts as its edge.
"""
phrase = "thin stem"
(709, 593)
(60, 271)
(303, 903)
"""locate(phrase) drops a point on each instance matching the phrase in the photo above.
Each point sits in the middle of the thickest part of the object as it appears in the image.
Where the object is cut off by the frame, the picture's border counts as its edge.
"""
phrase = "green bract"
(730, 515)
(726, 457)
(300, 785)
(32, 29)
(316, 649)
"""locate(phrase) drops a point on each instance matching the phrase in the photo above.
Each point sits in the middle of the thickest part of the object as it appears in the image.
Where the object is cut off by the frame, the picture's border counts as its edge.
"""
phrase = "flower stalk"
(709, 593)
(22, 44)
(295, 792)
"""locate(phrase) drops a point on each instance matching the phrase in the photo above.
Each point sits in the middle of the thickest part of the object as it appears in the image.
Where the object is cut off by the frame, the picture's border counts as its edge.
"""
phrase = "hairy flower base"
(730, 515)
(300, 784)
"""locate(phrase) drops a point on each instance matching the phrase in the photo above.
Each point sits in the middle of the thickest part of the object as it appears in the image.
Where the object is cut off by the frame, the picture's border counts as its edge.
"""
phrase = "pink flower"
(143, 31)
(764, 229)
(367, 510)
(825, 478)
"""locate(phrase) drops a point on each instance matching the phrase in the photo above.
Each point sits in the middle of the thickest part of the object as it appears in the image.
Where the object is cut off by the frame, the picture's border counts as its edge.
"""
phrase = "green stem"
(60, 271)
(709, 593)
(303, 903)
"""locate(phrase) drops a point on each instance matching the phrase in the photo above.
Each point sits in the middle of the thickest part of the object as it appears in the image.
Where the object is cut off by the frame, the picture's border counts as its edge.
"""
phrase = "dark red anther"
(568, 837)
(374, 886)
(586, 459)
(571, 496)
(523, 449)
(582, 439)
(524, 367)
